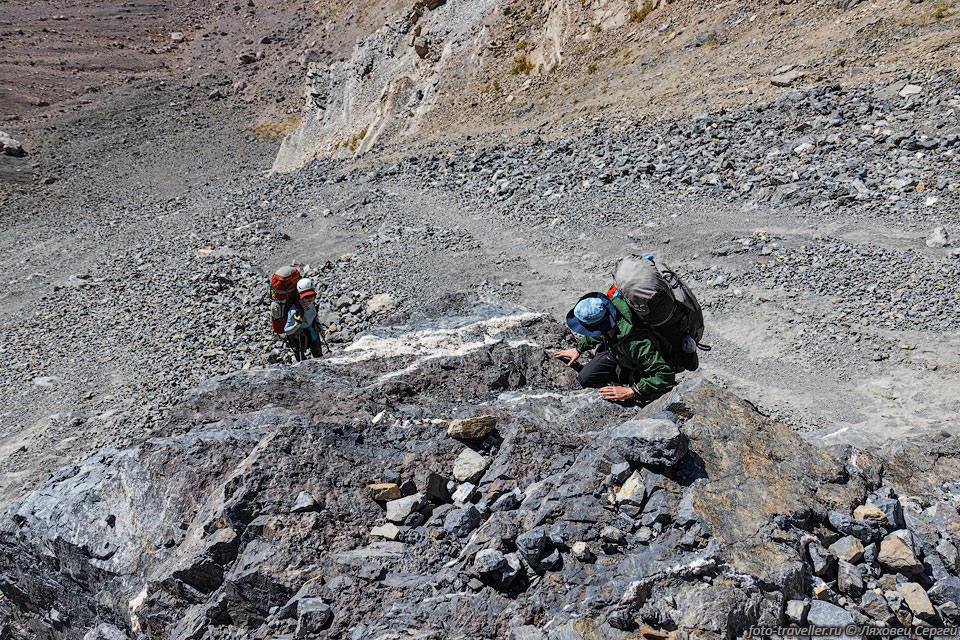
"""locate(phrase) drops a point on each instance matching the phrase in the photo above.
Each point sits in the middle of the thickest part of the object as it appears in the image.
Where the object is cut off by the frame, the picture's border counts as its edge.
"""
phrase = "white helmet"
(304, 284)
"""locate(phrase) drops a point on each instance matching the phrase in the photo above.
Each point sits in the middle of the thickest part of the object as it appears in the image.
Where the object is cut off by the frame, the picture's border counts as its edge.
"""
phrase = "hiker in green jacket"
(629, 365)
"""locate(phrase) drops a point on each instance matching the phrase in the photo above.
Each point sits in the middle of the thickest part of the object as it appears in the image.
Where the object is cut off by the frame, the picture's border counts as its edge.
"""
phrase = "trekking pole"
(298, 352)
(321, 329)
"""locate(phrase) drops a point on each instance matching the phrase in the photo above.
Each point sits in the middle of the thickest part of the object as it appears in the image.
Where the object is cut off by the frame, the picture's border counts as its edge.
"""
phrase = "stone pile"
(859, 149)
(369, 492)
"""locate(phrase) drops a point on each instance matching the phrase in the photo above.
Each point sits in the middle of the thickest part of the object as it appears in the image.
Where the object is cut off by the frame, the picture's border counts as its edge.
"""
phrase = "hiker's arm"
(654, 373)
(293, 323)
(587, 343)
(571, 354)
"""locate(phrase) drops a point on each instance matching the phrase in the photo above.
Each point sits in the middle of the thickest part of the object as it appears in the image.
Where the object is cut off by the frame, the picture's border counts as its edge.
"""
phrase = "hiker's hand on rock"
(616, 392)
(572, 354)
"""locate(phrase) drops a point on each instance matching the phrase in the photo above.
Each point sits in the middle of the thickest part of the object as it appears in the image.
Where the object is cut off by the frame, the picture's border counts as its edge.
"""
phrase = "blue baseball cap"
(592, 316)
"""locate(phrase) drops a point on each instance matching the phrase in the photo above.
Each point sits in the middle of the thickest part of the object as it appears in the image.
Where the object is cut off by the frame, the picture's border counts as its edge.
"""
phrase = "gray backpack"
(660, 298)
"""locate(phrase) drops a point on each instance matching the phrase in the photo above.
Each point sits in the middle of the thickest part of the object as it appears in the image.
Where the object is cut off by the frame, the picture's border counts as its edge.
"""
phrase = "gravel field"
(806, 226)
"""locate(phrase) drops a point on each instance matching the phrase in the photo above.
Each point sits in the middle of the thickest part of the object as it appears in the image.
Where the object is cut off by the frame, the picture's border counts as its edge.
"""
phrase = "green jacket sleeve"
(587, 343)
(653, 373)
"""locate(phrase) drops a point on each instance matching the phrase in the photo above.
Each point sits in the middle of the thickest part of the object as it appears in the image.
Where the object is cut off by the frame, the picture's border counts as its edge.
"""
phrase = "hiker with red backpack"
(293, 312)
(302, 328)
(646, 329)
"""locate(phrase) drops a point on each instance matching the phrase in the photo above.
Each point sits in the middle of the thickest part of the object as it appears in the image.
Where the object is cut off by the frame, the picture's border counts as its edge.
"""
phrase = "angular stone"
(378, 303)
(384, 491)
(910, 90)
(849, 579)
(652, 442)
(619, 472)
(788, 78)
(891, 508)
(875, 605)
(946, 589)
(508, 501)
(509, 572)
(388, 531)
(870, 512)
(488, 560)
(895, 556)
(632, 492)
(398, 510)
(305, 502)
(532, 543)
(949, 555)
(581, 552)
(827, 614)
(421, 46)
(821, 591)
(471, 428)
(848, 549)
(408, 488)
(686, 514)
(613, 536)
(436, 488)
(549, 561)
(464, 493)
(796, 611)
(821, 559)
(950, 612)
(462, 521)
(916, 598)
(657, 510)
(864, 530)
(469, 466)
(313, 614)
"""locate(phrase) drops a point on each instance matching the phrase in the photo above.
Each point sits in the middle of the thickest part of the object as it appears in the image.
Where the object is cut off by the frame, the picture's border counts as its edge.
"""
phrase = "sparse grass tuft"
(521, 66)
(275, 131)
(521, 46)
(639, 15)
(940, 11)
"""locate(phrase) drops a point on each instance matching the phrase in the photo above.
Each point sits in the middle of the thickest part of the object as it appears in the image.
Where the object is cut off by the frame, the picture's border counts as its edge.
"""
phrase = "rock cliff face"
(388, 88)
(390, 83)
(328, 500)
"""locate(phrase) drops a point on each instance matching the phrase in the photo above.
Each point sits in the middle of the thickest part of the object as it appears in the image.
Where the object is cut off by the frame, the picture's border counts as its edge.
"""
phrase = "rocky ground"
(445, 480)
(815, 229)
(140, 221)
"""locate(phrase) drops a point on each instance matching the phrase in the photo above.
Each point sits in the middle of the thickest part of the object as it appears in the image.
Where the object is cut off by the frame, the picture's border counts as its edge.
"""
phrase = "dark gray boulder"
(650, 442)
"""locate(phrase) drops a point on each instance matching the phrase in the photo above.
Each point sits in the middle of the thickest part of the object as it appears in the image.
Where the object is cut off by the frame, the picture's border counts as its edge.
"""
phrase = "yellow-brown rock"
(870, 512)
(471, 428)
(383, 491)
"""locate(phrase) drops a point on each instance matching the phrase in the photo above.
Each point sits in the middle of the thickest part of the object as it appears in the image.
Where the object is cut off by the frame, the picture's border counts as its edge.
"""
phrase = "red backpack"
(283, 295)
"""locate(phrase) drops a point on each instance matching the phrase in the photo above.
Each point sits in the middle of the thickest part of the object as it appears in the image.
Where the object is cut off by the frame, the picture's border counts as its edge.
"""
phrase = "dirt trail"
(859, 400)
